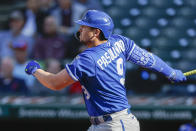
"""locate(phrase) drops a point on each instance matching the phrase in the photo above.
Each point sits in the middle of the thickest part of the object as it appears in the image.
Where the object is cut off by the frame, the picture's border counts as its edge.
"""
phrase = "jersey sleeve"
(83, 65)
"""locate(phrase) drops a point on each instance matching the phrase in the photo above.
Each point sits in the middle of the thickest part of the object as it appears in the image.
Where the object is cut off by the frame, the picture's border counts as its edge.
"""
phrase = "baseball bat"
(190, 73)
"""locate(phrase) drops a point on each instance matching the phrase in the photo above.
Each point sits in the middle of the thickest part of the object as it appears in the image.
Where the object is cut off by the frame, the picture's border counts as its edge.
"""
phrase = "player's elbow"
(59, 81)
(58, 87)
(54, 84)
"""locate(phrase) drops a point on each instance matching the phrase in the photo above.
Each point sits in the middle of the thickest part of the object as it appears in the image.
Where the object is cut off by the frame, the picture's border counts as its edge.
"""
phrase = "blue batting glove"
(31, 67)
(177, 76)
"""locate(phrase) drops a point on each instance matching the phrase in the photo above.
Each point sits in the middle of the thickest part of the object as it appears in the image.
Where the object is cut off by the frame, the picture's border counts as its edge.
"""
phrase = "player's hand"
(31, 67)
(177, 76)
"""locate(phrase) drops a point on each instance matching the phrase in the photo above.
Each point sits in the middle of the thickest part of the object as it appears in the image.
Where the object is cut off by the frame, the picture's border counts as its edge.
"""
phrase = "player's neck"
(96, 43)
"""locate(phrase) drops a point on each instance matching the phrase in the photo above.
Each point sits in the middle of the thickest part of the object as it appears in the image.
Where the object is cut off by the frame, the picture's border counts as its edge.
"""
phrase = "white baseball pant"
(121, 121)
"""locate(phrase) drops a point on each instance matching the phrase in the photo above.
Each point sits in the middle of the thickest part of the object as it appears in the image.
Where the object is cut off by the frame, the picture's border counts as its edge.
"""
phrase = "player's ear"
(77, 35)
(97, 32)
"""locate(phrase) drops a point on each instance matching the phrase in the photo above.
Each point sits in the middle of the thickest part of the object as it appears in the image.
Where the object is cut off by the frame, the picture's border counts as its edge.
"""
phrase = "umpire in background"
(101, 71)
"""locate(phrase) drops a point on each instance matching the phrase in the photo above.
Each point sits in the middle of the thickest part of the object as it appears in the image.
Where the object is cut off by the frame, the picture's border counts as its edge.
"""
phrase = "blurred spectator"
(91, 4)
(35, 12)
(46, 8)
(8, 83)
(66, 14)
(31, 10)
(16, 23)
(50, 44)
(53, 66)
(20, 54)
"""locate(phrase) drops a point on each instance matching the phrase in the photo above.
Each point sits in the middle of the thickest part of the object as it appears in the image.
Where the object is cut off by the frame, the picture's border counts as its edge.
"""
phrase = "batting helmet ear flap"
(77, 35)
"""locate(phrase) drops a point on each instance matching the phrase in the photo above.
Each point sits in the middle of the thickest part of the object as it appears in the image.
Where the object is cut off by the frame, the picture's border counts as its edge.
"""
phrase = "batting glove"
(177, 76)
(31, 67)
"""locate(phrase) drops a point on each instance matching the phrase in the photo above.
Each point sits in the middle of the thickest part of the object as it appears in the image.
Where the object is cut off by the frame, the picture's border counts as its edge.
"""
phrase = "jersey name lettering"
(111, 54)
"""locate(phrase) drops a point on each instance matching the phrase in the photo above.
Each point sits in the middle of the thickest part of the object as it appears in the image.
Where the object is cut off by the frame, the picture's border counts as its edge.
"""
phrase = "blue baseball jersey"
(101, 72)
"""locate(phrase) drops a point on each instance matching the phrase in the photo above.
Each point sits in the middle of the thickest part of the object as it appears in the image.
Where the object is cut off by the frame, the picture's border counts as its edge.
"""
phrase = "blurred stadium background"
(165, 27)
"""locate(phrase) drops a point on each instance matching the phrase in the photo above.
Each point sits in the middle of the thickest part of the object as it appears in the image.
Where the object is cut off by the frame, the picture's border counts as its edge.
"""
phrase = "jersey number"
(119, 66)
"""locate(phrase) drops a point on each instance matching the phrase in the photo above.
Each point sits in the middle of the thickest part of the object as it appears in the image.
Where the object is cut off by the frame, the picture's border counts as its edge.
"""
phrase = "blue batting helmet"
(98, 19)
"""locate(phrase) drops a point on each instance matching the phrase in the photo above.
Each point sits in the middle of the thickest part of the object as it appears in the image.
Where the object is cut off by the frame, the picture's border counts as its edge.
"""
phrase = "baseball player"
(101, 71)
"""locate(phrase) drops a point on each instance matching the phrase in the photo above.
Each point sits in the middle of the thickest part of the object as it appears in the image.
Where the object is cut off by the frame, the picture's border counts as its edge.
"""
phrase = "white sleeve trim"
(70, 73)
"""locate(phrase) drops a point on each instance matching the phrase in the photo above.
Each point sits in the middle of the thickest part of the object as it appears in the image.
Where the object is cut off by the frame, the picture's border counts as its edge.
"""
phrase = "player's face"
(86, 34)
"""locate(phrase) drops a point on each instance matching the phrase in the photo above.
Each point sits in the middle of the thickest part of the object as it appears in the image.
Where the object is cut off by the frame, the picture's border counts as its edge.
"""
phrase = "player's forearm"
(161, 66)
(47, 79)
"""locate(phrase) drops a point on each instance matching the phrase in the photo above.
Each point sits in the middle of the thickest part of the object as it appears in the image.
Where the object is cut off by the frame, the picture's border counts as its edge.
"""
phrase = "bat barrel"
(190, 73)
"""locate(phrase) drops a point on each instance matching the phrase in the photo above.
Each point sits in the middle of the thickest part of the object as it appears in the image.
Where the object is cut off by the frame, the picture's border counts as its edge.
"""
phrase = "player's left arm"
(151, 61)
(52, 81)
(146, 59)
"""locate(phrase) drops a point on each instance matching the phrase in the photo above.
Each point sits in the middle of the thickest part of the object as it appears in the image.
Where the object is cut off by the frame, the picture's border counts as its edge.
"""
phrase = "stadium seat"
(172, 32)
(162, 42)
(114, 12)
(189, 54)
(134, 12)
(146, 42)
(107, 3)
(182, 23)
(170, 12)
(118, 31)
(145, 22)
(125, 4)
(190, 3)
(162, 22)
(184, 65)
(143, 3)
(178, 3)
(163, 54)
(125, 22)
(175, 54)
(193, 43)
(153, 12)
(154, 32)
(136, 33)
(161, 3)
(184, 43)
(191, 32)
(187, 12)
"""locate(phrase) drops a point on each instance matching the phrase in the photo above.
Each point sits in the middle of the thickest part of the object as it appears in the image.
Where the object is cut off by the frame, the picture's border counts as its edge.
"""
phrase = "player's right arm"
(81, 66)
(52, 81)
